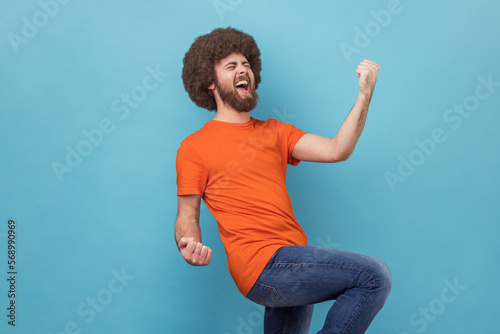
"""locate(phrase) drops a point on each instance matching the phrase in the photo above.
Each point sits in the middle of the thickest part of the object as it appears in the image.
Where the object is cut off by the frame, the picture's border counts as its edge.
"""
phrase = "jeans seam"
(361, 274)
(287, 321)
(361, 306)
(341, 266)
(270, 289)
(264, 297)
(355, 314)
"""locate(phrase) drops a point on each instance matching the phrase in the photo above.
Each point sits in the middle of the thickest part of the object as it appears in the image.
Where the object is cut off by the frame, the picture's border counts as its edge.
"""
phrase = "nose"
(242, 69)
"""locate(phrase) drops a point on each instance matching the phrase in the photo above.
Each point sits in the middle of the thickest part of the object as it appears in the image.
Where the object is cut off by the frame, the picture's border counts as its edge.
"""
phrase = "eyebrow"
(233, 63)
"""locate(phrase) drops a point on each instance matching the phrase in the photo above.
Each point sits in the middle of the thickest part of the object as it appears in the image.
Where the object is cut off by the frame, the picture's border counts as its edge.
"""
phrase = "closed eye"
(231, 66)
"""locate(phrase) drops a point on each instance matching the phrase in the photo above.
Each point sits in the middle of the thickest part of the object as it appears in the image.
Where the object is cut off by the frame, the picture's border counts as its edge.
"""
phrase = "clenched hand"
(195, 253)
(367, 72)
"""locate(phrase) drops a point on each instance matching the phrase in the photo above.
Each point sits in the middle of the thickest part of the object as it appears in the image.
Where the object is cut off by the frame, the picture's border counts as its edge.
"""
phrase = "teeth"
(241, 83)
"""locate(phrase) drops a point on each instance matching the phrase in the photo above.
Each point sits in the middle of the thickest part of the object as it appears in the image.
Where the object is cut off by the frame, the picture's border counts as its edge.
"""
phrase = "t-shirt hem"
(189, 191)
(294, 142)
(245, 289)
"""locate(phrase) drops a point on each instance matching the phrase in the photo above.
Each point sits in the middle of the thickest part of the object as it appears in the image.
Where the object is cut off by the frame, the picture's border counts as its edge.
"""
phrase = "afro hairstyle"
(207, 50)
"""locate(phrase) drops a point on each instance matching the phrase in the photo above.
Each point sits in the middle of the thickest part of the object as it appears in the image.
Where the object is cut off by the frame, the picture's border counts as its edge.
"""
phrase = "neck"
(228, 114)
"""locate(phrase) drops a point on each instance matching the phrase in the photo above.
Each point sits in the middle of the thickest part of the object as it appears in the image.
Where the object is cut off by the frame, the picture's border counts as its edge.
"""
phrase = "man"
(237, 164)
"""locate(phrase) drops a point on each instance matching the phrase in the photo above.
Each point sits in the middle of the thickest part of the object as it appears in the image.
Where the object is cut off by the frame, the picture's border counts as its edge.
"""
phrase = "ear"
(212, 86)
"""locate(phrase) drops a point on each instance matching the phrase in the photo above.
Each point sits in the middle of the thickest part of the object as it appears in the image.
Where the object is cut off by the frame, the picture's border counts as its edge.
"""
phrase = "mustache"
(243, 77)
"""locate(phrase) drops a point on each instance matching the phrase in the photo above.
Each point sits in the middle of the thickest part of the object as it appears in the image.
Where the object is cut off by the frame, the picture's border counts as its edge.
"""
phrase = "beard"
(230, 96)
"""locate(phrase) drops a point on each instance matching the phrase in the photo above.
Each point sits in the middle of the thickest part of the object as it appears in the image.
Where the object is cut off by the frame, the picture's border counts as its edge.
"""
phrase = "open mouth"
(242, 86)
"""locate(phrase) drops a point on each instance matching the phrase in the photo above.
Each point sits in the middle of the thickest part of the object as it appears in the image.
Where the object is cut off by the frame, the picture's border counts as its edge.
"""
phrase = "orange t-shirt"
(240, 171)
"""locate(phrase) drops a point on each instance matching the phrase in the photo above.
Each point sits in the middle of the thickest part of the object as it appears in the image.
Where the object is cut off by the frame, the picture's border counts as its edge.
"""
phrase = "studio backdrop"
(93, 110)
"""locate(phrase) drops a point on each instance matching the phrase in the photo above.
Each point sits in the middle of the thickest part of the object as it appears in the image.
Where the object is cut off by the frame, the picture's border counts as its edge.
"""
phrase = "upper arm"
(316, 148)
(192, 174)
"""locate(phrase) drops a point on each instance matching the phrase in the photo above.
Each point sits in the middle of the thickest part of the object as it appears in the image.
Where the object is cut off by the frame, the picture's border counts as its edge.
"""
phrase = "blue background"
(114, 212)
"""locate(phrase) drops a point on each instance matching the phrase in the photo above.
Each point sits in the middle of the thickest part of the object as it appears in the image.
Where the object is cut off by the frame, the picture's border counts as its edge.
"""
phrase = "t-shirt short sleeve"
(293, 135)
(191, 171)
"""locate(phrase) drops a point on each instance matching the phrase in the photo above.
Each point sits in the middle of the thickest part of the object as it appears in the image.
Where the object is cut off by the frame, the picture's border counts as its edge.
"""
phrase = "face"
(235, 83)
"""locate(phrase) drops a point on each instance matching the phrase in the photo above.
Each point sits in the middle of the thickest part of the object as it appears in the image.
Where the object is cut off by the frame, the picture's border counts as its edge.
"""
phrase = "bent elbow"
(346, 157)
(340, 157)
(340, 151)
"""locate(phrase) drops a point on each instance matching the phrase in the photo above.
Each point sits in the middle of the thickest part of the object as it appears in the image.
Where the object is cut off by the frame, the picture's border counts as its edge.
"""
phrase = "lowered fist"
(194, 252)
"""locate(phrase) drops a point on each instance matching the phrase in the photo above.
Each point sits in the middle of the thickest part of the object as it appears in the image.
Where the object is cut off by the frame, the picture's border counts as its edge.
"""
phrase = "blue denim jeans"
(297, 277)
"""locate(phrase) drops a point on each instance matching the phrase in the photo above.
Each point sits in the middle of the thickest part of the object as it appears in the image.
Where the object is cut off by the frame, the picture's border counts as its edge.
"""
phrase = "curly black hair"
(206, 51)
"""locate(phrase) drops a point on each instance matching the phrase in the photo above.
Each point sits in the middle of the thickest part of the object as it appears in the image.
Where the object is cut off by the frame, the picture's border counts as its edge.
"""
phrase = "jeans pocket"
(265, 295)
(273, 258)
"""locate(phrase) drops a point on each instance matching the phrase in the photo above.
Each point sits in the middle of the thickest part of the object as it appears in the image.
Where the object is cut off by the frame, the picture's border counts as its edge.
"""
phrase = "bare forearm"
(188, 232)
(350, 131)
(186, 228)
(317, 148)
(187, 223)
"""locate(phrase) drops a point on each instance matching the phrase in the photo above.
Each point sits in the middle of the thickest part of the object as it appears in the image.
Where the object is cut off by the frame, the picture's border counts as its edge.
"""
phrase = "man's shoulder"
(198, 135)
(275, 124)
(271, 121)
